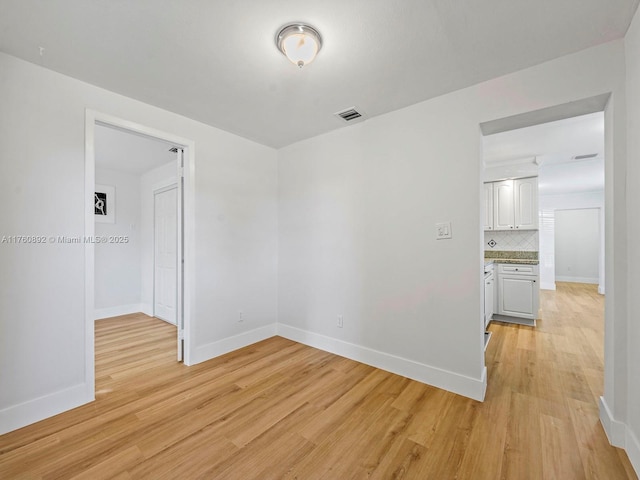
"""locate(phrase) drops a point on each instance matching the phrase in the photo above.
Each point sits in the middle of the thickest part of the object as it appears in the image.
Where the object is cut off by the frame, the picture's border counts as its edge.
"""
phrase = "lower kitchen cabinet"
(518, 291)
(489, 297)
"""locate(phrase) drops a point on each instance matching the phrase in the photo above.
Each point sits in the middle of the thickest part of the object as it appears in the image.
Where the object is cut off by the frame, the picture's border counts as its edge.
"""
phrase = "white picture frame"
(105, 201)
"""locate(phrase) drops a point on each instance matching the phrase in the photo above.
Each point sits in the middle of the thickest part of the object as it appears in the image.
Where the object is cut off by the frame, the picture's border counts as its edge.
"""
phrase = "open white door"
(165, 275)
(168, 255)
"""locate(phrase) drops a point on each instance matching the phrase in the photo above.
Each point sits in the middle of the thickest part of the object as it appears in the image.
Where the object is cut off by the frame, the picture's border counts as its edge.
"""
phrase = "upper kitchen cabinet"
(513, 204)
(525, 196)
(503, 206)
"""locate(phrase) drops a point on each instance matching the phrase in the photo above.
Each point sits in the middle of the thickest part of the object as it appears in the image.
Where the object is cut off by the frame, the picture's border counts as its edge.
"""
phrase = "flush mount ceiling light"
(300, 43)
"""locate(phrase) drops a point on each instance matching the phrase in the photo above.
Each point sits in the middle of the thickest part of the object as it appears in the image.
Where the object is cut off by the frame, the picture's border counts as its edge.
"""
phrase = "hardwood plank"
(401, 462)
(278, 409)
(559, 462)
(483, 456)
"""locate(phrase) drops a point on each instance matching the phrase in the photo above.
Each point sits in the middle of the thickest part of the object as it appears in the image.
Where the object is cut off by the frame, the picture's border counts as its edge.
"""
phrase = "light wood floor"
(278, 409)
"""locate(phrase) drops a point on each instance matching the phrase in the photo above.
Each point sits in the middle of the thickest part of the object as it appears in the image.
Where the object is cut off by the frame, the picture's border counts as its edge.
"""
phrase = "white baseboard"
(620, 435)
(614, 429)
(548, 285)
(100, 313)
(632, 448)
(590, 280)
(147, 309)
(453, 382)
(229, 344)
(23, 414)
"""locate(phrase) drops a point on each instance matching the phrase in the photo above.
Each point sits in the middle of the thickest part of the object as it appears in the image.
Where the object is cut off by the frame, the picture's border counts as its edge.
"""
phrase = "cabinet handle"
(517, 226)
(510, 226)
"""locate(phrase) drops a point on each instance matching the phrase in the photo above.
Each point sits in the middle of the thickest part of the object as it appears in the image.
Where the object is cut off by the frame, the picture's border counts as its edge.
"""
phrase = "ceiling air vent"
(349, 114)
(585, 157)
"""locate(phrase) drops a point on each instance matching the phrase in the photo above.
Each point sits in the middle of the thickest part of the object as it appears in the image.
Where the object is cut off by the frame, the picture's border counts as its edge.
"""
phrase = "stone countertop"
(506, 256)
(520, 261)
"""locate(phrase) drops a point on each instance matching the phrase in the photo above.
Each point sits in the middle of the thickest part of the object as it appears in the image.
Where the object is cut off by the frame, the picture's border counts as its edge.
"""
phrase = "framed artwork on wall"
(104, 200)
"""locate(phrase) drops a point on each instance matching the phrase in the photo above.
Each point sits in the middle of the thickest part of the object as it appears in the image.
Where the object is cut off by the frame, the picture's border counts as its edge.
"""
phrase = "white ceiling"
(554, 145)
(128, 152)
(556, 141)
(216, 61)
(585, 176)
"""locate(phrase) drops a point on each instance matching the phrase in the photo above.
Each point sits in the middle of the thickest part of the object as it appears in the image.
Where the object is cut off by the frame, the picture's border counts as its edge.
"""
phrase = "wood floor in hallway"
(281, 410)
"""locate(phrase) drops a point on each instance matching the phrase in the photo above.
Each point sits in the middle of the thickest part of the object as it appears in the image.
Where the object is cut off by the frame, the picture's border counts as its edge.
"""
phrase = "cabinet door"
(518, 296)
(489, 288)
(488, 206)
(494, 295)
(526, 203)
(503, 206)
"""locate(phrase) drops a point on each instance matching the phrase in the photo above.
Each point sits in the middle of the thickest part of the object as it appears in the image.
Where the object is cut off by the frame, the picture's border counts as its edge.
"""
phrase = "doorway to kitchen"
(563, 151)
(566, 158)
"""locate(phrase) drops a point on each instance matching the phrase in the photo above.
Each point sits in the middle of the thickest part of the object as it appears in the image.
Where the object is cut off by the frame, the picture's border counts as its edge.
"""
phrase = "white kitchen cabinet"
(518, 291)
(488, 206)
(525, 200)
(503, 206)
(513, 204)
(489, 297)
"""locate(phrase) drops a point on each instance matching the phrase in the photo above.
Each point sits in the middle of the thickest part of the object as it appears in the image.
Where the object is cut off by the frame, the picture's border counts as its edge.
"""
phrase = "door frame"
(603, 102)
(93, 117)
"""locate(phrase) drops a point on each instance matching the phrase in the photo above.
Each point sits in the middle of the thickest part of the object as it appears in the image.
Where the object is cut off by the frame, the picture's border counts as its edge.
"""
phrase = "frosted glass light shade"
(299, 43)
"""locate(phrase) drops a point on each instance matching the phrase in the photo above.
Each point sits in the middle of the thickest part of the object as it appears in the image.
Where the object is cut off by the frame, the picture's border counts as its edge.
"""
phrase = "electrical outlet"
(340, 322)
(443, 230)
(240, 317)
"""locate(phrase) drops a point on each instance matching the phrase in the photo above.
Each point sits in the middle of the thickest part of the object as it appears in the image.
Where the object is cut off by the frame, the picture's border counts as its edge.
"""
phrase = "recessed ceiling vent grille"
(585, 157)
(349, 114)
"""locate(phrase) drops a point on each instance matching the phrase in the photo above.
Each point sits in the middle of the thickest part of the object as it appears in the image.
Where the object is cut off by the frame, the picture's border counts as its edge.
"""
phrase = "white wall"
(577, 245)
(548, 204)
(150, 181)
(117, 265)
(43, 344)
(357, 216)
(632, 432)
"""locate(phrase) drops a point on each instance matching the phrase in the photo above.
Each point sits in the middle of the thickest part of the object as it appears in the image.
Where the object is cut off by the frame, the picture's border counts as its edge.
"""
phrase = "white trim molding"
(462, 385)
(614, 429)
(147, 309)
(590, 280)
(548, 285)
(632, 447)
(108, 312)
(32, 411)
(215, 349)
(620, 435)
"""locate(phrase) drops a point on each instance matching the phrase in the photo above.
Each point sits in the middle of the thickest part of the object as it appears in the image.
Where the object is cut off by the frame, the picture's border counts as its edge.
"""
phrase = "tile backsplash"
(525, 240)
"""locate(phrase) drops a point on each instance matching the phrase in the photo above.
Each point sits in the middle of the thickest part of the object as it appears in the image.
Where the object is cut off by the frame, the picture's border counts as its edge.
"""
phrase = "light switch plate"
(443, 230)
